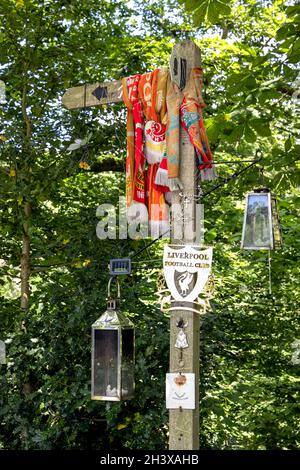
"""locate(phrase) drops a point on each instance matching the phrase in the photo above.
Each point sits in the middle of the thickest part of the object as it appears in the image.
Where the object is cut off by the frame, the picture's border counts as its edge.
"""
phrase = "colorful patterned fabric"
(174, 98)
(130, 98)
(161, 93)
(162, 174)
(147, 94)
(135, 181)
(152, 90)
(192, 121)
(152, 93)
(153, 97)
(155, 135)
(144, 97)
(158, 210)
(185, 107)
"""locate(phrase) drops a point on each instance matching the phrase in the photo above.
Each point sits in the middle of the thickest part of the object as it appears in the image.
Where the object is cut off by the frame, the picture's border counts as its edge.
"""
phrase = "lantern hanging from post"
(112, 353)
(261, 229)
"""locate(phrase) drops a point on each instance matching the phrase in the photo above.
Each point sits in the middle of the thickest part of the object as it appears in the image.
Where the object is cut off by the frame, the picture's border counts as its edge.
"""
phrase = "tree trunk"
(25, 258)
(225, 32)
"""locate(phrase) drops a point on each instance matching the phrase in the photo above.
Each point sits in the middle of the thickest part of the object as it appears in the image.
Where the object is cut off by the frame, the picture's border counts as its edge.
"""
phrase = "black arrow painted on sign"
(100, 92)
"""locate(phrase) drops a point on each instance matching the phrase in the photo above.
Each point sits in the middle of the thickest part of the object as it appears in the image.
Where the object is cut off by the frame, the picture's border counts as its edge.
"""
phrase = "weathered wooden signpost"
(184, 423)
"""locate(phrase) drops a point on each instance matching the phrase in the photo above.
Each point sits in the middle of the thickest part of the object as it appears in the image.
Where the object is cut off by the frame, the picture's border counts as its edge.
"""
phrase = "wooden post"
(184, 424)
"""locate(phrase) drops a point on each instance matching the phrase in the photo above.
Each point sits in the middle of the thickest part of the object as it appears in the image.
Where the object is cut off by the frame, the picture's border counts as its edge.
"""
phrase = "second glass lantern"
(261, 229)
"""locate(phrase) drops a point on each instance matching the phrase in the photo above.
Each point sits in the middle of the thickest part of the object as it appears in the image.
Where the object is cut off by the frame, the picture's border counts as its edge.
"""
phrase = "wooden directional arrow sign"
(93, 95)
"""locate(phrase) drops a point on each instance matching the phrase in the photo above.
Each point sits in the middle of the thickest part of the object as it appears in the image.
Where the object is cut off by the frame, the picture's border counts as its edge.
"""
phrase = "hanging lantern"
(261, 229)
(112, 353)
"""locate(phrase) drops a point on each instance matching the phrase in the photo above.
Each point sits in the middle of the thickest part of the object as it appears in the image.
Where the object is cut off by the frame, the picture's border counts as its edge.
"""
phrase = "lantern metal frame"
(113, 320)
(277, 232)
(273, 221)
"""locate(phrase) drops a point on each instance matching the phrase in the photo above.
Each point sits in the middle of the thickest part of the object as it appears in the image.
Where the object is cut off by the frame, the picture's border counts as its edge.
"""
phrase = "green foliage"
(249, 387)
(207, 10)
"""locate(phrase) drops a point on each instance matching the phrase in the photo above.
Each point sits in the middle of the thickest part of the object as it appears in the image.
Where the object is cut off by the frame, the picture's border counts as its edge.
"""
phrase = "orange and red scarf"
(135, 183)
(154, 99)
(185, 108)
(145, 97)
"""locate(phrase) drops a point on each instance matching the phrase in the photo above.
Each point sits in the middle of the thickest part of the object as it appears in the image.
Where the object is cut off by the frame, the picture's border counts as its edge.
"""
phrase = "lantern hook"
(118, 287)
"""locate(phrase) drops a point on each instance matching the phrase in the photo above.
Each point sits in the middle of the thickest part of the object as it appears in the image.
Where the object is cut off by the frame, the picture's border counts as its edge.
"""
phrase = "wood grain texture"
(86, 95)
(184, 424)
(185, 56)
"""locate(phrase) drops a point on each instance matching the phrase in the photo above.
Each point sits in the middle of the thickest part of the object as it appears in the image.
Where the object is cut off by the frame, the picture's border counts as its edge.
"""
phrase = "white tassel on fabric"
(161, 177)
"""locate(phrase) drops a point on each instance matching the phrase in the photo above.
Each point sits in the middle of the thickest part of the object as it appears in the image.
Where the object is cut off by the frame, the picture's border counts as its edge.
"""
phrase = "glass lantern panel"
(257, 229)
(127, 373)
(106, 363)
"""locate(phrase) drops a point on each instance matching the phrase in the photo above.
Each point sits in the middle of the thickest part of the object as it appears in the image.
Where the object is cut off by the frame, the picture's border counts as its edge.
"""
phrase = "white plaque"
(186, 270)
(180, 391)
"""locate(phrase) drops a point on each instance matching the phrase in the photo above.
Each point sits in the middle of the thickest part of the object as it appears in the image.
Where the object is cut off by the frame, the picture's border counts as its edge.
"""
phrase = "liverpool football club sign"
(186, 270)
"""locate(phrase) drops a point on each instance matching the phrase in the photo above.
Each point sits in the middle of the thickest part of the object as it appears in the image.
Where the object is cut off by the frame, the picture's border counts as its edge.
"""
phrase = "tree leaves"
(249, 387)
(249, 135)
(207, 10)
(261, 127)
